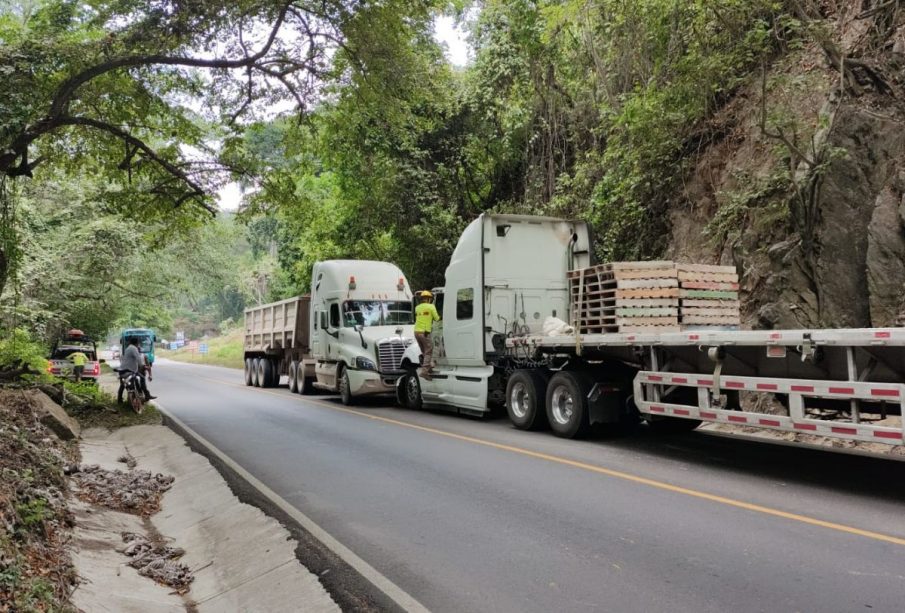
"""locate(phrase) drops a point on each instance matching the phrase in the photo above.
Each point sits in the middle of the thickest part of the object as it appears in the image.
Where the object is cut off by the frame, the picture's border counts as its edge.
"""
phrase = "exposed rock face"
(850, 192)
(886, 255)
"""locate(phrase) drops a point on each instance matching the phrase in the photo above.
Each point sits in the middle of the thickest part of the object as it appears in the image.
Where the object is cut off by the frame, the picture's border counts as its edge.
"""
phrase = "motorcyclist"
(132, 361)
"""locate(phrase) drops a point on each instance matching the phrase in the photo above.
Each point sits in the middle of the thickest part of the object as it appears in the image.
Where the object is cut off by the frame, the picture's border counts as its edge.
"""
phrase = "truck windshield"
(376, 313)
(144, 342)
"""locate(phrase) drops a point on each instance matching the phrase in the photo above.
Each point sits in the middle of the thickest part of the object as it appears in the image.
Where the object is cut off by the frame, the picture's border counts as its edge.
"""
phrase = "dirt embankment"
(804, 189)
(36, 573)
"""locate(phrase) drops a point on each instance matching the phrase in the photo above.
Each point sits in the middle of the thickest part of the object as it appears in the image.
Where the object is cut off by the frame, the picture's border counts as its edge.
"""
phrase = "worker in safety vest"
(78, 360)
(425, 316)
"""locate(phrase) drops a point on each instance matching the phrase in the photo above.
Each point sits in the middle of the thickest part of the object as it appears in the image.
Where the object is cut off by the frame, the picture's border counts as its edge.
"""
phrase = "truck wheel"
(294, 377)
(526, 393)
(410, 390)
(274, 373)
(249, 372)
(345, 388)
(255, 365)
(306, 384)
(567, 404)
(267, 372)
(262, 375)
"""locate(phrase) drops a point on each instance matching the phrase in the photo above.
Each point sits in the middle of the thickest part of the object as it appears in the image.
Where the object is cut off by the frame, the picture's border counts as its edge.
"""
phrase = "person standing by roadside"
(425, 316)
(78, 360)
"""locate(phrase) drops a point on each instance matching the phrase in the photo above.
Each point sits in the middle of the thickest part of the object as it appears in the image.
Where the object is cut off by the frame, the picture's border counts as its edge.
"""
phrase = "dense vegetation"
(126, 115)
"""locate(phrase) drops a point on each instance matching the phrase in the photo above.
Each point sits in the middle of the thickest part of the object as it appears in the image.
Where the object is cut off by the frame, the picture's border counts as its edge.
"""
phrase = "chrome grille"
(389, 353)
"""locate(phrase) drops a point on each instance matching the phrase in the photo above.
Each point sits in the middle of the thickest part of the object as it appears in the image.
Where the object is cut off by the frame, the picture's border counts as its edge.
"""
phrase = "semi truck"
(509, 274)
(347, 337)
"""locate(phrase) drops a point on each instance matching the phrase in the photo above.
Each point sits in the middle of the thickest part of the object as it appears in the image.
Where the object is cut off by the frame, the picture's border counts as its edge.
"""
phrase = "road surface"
(472, 515)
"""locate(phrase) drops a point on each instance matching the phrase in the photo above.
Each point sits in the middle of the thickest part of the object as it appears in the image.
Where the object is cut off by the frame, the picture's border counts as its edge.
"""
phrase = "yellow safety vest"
(425, 316)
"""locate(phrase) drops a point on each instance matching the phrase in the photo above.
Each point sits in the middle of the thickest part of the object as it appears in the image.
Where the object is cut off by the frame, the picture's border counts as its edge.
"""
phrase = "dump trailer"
(510, 277)
(277, 343)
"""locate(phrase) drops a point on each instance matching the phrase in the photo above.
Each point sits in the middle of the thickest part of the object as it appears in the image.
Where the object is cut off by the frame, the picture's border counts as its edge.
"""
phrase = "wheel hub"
(562, 405)
(519, 400)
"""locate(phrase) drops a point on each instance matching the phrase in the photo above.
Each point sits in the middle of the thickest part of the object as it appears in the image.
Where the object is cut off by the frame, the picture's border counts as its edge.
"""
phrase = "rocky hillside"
(804, 186)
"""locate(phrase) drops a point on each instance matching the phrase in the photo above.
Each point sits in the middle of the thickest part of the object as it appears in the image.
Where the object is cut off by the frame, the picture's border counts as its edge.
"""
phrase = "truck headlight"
(365, 364)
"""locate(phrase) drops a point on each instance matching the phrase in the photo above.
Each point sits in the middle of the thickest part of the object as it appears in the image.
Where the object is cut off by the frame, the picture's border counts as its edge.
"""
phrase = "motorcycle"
(132, 385)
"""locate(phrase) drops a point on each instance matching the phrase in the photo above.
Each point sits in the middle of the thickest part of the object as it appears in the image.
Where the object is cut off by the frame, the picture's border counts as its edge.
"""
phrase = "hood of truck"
(375, 334)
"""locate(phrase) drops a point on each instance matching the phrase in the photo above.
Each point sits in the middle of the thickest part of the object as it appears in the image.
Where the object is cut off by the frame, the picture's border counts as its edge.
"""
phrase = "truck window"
(465, 303)
(323, 315)
(334, 315)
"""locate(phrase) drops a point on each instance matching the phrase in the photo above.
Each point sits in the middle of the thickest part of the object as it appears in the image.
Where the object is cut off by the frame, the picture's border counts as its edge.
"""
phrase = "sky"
(458, 52)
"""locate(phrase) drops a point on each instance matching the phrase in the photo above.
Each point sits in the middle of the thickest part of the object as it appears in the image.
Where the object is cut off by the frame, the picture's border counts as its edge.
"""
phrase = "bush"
(18, 351)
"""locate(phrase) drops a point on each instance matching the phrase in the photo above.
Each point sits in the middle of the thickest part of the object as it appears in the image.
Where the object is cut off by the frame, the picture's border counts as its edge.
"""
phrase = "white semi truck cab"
(360, 325)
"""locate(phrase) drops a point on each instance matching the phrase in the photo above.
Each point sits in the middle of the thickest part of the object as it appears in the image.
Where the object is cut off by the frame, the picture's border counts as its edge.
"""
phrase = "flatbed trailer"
(833, 383)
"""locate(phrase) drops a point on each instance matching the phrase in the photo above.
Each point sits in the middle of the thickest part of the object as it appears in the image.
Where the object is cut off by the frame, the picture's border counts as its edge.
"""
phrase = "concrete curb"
(396, 597)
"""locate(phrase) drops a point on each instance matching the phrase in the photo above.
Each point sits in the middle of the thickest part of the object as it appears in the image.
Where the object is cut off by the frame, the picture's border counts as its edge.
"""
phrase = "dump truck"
(348, 336)
(515, 335)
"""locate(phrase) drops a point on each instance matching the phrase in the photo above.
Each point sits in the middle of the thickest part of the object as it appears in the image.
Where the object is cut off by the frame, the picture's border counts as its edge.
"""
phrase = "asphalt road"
(472, 515)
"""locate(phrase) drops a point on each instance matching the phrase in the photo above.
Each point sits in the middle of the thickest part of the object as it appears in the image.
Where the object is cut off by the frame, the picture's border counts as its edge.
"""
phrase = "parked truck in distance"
(510, 273)
(347, 337)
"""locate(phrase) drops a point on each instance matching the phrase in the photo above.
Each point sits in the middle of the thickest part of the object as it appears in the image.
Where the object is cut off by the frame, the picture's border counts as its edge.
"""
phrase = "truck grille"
(389, 353)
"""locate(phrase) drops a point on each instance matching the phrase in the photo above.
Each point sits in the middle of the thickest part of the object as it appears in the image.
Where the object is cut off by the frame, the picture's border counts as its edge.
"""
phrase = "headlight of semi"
(365, 364)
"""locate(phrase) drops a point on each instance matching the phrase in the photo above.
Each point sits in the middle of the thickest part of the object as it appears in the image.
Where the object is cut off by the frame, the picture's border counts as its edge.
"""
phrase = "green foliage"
(762, 203)
(19, 350)
(33, 513)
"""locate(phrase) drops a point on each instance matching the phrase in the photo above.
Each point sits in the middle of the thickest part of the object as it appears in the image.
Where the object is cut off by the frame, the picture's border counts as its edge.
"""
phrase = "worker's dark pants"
(427, 349)
(77, 372)
(142, 385)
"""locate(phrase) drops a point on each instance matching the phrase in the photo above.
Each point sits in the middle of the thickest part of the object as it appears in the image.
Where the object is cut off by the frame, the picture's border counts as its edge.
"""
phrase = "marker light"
(401, 285)
(351, 282)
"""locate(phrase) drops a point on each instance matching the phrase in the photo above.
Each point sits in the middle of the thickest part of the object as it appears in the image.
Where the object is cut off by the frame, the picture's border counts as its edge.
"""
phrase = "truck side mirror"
(358, 328)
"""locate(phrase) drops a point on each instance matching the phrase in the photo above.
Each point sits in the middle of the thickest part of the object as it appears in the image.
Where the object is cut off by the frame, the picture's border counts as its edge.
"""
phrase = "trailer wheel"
(345, 388)
(255, 367)
(249, 372)
(526, 394)
(294, 377)
(567, 404)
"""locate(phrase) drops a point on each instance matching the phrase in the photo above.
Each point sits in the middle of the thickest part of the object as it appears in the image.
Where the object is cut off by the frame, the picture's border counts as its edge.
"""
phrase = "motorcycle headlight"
(365, 364)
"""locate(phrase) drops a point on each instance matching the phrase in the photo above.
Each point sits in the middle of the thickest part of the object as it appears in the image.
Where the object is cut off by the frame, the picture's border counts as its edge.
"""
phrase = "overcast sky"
(457, 52)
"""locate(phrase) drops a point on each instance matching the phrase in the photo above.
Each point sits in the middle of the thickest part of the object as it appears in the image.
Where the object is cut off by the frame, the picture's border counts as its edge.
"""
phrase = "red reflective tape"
(776, 335)
(681, 411)
(884, 334)
(657, 409)
(802, 388)
(693, 337)
(804, 426)
(769, 422)
(738, 419)
(679, 380)
(842, 390)
(630, 338)
(885, 393)
(888, 434)
(841, 430)
(707, 382)
(654, 378)
(708, 415)
(770, 387)
(735, 384)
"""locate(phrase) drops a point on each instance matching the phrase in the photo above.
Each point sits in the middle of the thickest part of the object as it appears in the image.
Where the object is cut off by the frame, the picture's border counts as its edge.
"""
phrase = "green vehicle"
(146, 339)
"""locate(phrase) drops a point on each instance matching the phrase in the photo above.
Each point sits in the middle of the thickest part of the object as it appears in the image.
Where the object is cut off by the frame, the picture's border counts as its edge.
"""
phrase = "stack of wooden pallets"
(709, 296)
(658, 296)
(625, 297)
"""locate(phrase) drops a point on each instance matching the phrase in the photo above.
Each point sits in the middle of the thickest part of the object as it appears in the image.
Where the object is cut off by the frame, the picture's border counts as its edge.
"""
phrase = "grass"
(224, 350)
(96, 406)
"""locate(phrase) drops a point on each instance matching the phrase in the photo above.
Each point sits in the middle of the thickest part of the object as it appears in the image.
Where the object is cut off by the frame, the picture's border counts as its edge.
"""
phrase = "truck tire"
(410, 391)
(306, 384)
(254, 373)
(266, 372)
(249, 372)
(294, 377)
(526, 394)
(567, 404)
(345, 388)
